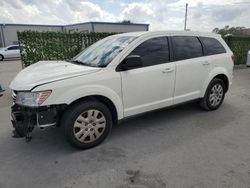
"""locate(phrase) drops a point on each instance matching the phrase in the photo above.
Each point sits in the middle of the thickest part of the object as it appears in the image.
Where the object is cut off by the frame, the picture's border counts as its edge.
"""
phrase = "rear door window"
(186, 47)
(212, 46)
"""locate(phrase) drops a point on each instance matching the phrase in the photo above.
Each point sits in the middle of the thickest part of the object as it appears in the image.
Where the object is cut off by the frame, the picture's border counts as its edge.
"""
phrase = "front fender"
(60, 96)
(213, 73)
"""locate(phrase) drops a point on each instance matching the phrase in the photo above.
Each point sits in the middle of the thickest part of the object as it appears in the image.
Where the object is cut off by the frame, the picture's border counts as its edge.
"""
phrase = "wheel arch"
(224, 78)
(103, 99)
(220, 73)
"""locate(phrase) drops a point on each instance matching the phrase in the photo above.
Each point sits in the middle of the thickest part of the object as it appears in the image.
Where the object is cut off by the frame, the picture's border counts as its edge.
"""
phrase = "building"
(8, 32)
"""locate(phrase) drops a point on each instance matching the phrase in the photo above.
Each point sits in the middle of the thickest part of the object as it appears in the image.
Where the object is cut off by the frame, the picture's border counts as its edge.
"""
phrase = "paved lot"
(178, 147)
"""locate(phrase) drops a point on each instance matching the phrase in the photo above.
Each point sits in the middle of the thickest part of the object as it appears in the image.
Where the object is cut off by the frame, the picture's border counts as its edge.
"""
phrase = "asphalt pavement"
(180, 147)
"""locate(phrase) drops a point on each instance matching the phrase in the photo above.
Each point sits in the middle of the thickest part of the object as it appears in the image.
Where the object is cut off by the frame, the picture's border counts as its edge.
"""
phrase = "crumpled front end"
(25, 118)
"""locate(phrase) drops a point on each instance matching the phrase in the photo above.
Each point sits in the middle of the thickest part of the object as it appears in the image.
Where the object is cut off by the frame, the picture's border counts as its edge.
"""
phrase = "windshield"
(101, 53)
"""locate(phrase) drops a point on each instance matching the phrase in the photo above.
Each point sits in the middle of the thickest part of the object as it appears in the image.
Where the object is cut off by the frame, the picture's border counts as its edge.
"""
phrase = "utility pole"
(185, 25)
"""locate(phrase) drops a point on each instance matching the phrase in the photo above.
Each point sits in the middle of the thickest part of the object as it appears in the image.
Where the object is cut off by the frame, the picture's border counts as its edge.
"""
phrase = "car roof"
(12, 45)
(152, 33)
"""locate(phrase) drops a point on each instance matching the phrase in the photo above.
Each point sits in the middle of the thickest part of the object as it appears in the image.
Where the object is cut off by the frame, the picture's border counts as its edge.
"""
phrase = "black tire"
(205, 102)
(73, 113)
(1, 57)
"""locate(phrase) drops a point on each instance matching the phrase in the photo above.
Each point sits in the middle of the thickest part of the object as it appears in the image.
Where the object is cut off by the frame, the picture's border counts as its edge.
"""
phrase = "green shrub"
(240, 47)
(60, 46)
(54, 45)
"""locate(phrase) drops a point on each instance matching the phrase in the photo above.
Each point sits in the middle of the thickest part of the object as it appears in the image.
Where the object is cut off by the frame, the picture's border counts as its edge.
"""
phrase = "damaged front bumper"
(24, 119)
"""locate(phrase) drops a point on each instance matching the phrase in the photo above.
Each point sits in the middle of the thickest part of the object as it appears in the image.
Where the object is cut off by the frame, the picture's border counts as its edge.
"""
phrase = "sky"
(203, 15)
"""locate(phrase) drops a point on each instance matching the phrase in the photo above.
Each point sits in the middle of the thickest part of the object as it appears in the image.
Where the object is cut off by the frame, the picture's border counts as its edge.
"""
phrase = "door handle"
(168, 70)
(205, 63)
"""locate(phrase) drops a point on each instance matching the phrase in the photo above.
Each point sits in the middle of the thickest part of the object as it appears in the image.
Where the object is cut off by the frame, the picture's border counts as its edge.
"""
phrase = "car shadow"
(147, 134)
(10, 59)
(153, 124)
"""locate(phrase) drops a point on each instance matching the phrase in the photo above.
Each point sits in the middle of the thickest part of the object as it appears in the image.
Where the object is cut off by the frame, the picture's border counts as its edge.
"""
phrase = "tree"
(126, 21)
(229, 30)
(216, 30)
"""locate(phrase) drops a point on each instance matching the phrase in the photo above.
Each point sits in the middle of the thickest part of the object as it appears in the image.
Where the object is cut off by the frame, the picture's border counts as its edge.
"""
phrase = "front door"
(152, 85)
(12, 52)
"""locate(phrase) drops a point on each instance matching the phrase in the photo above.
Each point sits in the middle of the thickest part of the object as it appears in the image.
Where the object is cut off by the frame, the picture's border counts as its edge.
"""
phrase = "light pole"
(185, 24)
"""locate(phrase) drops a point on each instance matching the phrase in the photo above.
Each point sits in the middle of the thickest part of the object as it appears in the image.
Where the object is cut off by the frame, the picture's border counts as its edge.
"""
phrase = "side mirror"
(131, 62)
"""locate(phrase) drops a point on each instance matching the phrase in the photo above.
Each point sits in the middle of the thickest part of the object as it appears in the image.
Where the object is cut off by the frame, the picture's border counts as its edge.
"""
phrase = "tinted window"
(13, 48)
(212, 46)
(153, 51)
(186, 47)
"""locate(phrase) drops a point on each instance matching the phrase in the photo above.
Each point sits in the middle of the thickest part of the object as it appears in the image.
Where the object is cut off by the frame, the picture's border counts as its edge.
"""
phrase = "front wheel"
(1, 57)
(87, 124)
(214, 95)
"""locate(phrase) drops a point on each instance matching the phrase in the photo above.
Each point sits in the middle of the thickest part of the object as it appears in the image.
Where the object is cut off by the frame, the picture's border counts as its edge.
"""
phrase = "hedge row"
(54, 45)
(240, 47)
(60, 46)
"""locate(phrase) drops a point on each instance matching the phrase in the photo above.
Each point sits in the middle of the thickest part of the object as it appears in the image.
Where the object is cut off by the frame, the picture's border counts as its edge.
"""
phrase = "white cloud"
(160, 14)
(52, 12)
(6, 16)
(153, 12)
(202, 15)
(89, 11)
(138, 12)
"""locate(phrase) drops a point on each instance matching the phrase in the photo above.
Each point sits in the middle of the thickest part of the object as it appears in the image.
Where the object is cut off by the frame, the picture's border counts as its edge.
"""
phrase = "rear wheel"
(87, 124)
(214, 95)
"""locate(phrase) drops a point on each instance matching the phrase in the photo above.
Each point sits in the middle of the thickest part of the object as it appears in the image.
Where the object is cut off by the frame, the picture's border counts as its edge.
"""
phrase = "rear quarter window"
(212, 46)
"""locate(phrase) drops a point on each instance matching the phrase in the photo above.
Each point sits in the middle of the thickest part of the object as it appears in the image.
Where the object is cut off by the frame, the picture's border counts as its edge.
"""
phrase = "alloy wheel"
(216, 95)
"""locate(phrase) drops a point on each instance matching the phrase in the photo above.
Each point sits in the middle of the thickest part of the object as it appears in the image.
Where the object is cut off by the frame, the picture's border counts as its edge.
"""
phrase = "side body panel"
(190, 76)
(105, 83)
(148, 88)
(11, 54)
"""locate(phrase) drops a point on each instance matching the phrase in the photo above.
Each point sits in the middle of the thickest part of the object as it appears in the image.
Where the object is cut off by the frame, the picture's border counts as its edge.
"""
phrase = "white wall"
(10, 31)
(78, 28)
(119, 28)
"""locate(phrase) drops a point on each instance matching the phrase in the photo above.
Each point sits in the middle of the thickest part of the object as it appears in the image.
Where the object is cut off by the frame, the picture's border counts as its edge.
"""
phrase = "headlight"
(32, 98)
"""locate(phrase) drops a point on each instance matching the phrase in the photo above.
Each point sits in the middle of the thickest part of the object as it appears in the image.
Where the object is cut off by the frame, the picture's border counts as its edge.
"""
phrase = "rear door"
(192, 68)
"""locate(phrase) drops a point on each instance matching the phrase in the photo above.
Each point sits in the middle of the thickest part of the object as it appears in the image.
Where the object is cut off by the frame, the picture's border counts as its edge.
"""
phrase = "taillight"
(233, 58)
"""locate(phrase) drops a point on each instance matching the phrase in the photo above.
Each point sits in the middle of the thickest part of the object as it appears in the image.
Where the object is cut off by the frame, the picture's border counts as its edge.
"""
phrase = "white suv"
(121, 76)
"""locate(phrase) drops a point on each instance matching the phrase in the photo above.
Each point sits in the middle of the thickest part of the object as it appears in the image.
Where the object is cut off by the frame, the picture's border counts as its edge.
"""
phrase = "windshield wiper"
(78, 62)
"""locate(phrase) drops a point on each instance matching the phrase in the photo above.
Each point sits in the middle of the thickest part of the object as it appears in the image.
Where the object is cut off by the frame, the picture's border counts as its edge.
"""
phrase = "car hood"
(48, 71)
